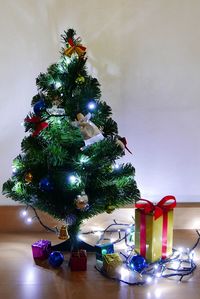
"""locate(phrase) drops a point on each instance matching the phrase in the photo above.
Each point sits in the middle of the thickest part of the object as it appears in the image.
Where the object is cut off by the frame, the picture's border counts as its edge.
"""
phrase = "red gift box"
(78, 260)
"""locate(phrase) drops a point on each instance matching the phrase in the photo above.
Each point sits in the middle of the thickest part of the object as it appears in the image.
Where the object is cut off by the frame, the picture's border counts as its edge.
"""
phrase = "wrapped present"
(78, 260)
(41, 249)
(111, 263)
(102, 249)
(154, 228)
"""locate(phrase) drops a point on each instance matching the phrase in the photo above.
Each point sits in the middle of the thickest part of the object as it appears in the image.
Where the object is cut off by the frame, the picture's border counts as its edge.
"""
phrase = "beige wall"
(146, 55)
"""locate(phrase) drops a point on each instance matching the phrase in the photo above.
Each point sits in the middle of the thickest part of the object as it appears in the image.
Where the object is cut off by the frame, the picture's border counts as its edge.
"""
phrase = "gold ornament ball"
(110, 209)
(80, 80)
(81, 201)
(29, 177)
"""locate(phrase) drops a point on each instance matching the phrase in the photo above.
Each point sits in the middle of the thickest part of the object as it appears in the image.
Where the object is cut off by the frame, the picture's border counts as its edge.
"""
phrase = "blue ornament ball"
(39, 106)
(45, 184)
(56, 259)
(137, 263)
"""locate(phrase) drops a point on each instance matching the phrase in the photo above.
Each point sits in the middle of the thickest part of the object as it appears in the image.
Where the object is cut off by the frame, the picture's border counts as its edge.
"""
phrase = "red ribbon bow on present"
(166, 204)
(74, 47)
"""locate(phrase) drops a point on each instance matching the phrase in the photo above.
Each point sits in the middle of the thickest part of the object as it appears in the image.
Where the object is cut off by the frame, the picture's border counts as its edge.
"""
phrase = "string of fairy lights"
(179, 265)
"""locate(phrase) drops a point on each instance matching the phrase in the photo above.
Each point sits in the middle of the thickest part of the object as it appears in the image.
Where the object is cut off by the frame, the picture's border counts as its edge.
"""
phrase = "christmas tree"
(67, 166)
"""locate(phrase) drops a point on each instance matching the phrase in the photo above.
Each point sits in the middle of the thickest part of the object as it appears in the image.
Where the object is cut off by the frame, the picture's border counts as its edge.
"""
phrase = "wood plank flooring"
(21, 278)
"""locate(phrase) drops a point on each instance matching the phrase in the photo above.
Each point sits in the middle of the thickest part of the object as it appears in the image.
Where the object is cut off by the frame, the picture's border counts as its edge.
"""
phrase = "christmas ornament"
(137, 263)
(90, 132)
(109, 209)
(39, 107)
(75, 47)
(55, 259)
(54, 110)
(45, 184)
(28, 177)
(63, 234)
(70, 219)
(121, 141)
(80, 79)
(81, 201)
(40, 125)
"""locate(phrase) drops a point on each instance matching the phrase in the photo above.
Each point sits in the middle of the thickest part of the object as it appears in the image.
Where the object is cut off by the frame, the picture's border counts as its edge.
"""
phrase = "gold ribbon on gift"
(74, 48)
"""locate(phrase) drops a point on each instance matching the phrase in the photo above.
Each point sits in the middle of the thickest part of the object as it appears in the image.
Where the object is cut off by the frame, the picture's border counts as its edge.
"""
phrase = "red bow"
(40, 125)
(166, 204)
(123, 140)
(78, 48)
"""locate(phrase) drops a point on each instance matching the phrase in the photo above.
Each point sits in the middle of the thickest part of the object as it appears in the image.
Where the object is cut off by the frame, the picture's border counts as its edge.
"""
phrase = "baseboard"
(186, 216)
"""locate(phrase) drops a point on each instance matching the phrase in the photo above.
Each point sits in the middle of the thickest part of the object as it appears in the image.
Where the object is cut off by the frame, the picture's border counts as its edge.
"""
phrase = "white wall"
(146, 55)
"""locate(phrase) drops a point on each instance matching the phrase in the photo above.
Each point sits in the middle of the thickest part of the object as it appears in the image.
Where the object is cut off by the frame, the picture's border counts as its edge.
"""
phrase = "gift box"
(41, 249)
(154, 228)
(111, 263)
(78, 260)
(102, 249)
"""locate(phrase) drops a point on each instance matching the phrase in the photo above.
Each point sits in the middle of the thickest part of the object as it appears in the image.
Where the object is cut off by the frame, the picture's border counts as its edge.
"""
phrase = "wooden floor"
(21, 278)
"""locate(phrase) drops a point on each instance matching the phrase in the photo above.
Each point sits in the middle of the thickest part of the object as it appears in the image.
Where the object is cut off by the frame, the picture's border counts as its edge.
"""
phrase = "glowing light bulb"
(84, 159)
(158, 274)
(149, 279)
(67, 60)
(91, 105)
(14, 169)
(57, 84)
(80, 237)
(23, 213)
(156, 267)
(115, 166)
(72, 179)
(104, 251)
(180, 249)
(98, 233)
(29, 220)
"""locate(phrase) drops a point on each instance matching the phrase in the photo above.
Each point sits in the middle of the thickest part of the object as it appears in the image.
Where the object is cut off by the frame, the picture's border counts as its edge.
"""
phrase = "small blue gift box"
(102, 249)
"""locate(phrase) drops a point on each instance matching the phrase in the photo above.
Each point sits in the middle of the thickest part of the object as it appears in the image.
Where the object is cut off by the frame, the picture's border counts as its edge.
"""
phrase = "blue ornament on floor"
(56, 259)
(45, 184)
(39, 107)
(137, 263)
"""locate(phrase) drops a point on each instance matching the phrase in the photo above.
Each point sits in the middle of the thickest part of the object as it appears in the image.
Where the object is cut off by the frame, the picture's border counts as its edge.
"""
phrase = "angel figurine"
(90, 132)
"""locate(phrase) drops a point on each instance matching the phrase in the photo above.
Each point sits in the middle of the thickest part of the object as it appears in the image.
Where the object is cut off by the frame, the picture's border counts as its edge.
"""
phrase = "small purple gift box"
(41, 249)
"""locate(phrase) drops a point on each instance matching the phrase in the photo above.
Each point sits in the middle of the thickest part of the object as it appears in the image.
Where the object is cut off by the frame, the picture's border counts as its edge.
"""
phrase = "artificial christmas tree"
(67, 165)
